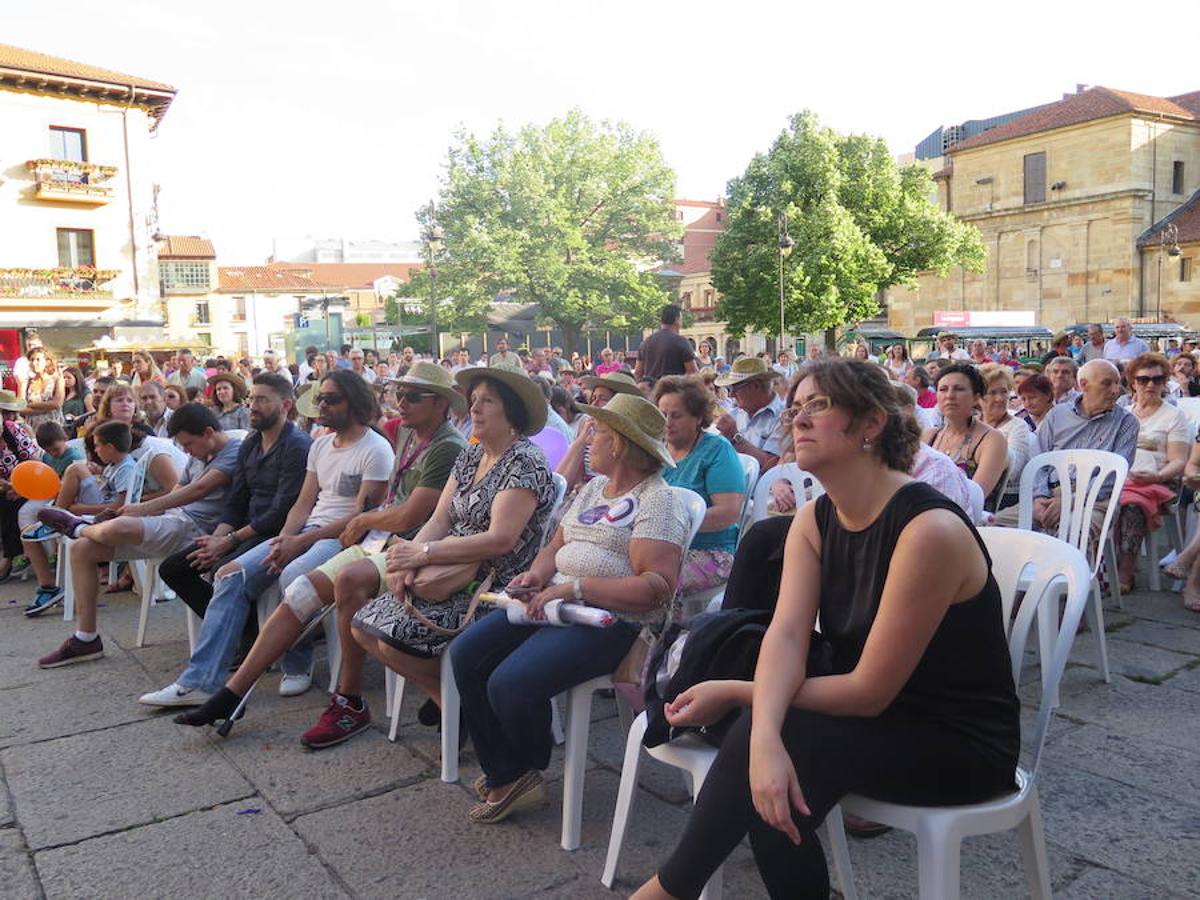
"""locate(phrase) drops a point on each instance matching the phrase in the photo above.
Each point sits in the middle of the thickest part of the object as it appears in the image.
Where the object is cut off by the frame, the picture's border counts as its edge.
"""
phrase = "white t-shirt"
(341, 471)
(1167, 425)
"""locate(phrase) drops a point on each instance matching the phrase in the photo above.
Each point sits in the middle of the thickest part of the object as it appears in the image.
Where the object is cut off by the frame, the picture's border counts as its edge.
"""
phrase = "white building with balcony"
(77, 260)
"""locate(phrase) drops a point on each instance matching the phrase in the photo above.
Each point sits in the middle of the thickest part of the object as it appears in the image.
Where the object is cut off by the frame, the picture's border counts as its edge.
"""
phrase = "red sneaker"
(73, 650)
(340, 722)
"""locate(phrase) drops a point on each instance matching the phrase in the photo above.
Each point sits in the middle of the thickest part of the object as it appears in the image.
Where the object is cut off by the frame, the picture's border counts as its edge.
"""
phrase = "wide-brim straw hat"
(527, 392)
(748, 368)
(11, 402)
(433, 378)
(617, 382)
(234, 381)
(636, 419)
(305, 405)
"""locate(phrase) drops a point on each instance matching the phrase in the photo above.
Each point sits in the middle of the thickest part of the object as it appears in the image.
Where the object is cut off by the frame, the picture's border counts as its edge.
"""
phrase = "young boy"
(113, 441)
(57, 455)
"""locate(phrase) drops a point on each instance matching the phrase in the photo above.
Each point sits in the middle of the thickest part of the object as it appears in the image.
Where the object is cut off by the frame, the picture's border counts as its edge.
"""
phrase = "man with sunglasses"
(346, 473)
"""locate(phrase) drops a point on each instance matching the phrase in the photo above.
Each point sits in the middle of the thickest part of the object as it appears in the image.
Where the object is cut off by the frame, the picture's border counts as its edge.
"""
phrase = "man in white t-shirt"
(348, 472)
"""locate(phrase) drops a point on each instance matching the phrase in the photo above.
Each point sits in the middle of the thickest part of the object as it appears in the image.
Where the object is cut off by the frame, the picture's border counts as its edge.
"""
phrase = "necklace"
(958, 456)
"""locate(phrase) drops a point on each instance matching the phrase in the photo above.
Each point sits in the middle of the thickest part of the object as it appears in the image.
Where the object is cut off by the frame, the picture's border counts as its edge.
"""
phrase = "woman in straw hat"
(16, 446)
(618, 548)
(228, 394)
(493, 511)
(576, 465)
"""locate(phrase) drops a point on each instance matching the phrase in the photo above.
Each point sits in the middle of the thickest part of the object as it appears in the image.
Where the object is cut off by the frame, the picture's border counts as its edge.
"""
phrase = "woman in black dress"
(919, 705)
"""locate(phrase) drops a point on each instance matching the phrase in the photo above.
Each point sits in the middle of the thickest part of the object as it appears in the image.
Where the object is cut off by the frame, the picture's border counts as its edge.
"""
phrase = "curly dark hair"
(861, 388)
(968, 372)
(364, 408)
(690, 388)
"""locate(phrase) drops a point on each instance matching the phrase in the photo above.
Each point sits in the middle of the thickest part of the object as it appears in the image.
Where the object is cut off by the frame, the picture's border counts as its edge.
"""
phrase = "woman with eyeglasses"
(618, 548)
(976, 448)
(1162, 451)
(998, 388)
(917, 704)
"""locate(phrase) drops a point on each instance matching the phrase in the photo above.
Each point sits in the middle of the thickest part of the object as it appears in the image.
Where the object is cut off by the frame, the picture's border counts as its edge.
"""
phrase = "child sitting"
(58, 455)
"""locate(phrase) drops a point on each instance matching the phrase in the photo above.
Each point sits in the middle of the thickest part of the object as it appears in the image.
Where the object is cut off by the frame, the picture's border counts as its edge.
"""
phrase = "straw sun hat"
(747, 368)
(527, 392)
(617, 382)
(431, 377)
(9, 401)
(636, 419)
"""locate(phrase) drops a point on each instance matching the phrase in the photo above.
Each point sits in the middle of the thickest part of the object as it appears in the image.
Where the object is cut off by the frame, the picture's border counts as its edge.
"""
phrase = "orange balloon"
(35, 480)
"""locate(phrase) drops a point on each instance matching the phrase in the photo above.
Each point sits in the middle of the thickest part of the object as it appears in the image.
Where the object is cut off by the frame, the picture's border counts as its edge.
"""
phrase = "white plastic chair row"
(804, 485)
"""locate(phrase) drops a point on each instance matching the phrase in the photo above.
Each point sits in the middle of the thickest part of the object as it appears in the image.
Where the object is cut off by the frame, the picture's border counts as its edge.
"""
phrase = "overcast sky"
(333, 119)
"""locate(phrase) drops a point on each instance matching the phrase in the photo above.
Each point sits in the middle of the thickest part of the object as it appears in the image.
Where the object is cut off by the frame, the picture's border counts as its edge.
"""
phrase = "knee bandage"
(302, 598)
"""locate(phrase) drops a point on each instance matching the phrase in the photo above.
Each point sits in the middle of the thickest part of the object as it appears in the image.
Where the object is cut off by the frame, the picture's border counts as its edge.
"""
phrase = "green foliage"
(391, 311)
(859, 222)
(568, 216)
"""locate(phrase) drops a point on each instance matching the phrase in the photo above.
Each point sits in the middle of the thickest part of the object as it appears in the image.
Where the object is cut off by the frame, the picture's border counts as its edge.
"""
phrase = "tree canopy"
(570, 216)
(860, 224)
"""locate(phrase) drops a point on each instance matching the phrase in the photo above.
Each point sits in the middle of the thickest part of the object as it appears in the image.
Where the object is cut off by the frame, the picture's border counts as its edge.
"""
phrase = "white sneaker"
(175, 695)
(295, 685)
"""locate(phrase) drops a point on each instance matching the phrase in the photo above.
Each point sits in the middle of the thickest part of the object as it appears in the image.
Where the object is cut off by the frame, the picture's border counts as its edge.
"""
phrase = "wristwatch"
(739, 439)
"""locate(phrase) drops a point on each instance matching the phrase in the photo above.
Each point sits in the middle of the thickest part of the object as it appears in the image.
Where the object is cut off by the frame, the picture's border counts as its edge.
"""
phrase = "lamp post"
(785, 248)
(1170, 235)
(434, 241)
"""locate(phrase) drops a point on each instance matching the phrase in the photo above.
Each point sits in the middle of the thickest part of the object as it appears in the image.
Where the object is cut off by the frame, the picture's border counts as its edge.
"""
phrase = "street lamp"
(435, 239)
(785, 248)
(1169, 235)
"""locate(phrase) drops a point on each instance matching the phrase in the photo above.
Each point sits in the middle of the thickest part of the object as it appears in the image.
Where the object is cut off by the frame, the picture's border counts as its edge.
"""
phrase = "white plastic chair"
(940, 830)
(579, 707)
(451, 704)
(751, 470)
(1190, 407)
(975, 492)
(804, 485)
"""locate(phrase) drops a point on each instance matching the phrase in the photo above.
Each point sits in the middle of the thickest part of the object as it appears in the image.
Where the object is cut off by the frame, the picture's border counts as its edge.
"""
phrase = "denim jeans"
(226, 615)
(507, 674)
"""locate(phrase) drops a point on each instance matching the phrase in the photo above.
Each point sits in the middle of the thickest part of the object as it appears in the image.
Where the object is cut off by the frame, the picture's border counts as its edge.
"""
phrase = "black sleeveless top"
(964, 680)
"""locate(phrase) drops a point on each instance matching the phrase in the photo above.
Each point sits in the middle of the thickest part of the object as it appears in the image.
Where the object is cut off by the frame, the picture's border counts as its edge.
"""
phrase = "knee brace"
(302, 599)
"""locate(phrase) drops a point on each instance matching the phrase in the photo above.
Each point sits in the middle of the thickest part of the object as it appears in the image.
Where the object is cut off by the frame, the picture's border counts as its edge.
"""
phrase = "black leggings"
(896, 757)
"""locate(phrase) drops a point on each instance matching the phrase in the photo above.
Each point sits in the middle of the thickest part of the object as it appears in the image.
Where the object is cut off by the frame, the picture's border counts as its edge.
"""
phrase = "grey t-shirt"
(206, 512)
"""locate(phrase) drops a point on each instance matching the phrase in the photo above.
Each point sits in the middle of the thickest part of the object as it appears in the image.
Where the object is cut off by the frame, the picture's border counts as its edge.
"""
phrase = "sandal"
(529, 790)
(481, 788)
(1175, 571)
(123, 583)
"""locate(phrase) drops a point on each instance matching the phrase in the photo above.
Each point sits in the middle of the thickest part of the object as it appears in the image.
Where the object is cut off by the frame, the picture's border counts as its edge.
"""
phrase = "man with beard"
(346, 473)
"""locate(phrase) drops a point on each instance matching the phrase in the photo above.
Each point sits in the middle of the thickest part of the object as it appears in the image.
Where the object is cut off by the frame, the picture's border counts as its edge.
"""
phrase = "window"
(205, 338)
(76, 247)
(1177, 177)
(68, 143)
(1185, 269)
(1035, 178)
(202, 313)
(239, 309)
(718, 217)
(686, 300)
(183, 276)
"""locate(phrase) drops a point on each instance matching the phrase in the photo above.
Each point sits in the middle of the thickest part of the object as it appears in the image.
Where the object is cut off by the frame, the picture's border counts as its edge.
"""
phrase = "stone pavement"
(100, 797)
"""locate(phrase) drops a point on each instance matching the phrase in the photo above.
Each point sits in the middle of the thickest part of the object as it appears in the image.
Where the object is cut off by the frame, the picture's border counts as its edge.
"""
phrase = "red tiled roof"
(32, 61)
(180, 246)
(1086, 106)
(269, 278)
(699, 239)
(1185, 217)
(713, 204)
(350, 276)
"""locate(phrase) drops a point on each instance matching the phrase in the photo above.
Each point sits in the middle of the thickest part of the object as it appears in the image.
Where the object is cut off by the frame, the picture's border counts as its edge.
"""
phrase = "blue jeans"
(507, 674)
(226, 615)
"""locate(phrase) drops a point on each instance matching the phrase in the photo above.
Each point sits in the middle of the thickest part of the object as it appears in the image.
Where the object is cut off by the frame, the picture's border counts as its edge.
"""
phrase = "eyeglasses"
(1150, 379)
(413, 396)
(328, 399)
(816, 406)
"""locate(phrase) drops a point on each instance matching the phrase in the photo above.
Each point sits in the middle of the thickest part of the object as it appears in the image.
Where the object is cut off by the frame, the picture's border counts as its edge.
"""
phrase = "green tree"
(860, 224)
(570, 216)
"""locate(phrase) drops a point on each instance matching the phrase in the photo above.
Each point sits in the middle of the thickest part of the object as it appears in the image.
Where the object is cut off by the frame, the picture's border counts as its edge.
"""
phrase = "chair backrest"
(138, 482)
(1035, 446)
(1082, 474)
(1190, 407)
(804, 485)
(238, 434)
(560, 491)
(1046, 563)
(975, 492)
(696, 508)
(750, 469)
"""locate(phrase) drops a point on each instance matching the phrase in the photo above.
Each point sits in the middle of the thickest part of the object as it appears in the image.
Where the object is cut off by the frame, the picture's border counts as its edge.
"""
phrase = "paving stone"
(1161, 712)
(1155, 838)
(1096, 882)
(1188, 680)
(267, 750)
(17, 876)
(1163, 606)
(6, 809)
(213, 853)
(1180, 638)
(1140, 762)
(392, 846)
(607, 747)
(130, 775)
(1130, 658)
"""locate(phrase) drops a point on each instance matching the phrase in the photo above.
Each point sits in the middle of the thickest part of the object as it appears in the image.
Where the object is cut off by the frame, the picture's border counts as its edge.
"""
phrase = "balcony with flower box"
(704, 313)
(70, 181)
(66, 287)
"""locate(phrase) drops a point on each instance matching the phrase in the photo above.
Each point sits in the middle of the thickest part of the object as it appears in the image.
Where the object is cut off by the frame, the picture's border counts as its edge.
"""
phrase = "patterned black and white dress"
(522, 465)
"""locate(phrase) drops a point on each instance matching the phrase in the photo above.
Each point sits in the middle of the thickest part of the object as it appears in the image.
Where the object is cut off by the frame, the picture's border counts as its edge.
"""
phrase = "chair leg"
(143, 617)
(556, 726)
(835, 832)
(1032, 838)
(579, 714)
(333, 648)
(1154, 552)
(1114, 578)
(1095, 614)
(65, 579)
(397, 701)
(451, 720)
(938, 865)
(625, 794)
(193, 627)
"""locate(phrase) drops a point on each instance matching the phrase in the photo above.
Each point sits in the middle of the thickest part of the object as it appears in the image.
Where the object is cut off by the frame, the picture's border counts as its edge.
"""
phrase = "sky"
(333, 119)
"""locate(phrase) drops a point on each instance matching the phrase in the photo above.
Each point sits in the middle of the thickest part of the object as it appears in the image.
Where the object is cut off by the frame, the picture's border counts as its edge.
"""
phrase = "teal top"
(711, 468)
(60, 463)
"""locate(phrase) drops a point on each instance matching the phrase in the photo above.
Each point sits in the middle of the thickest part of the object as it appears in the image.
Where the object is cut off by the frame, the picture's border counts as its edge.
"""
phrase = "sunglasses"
(413, 396)
(328, 400)
(1150, 379)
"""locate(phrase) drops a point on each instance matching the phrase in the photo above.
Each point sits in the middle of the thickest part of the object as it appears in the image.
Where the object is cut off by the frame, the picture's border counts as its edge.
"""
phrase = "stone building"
(1071, 199)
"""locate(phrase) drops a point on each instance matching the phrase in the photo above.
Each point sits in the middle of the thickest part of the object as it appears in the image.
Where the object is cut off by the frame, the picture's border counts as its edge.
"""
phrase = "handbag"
(468, 616)
(438, 583)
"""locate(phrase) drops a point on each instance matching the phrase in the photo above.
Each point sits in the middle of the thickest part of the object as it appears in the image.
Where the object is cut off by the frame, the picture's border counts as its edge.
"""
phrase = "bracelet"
(577, 584)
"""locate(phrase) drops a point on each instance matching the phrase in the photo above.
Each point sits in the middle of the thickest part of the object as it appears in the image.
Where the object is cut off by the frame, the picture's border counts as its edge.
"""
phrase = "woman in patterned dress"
(493, 510)
(44, 392)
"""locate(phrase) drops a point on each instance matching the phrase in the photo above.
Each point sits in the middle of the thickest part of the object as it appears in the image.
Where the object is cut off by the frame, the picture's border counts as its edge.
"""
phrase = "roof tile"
(1185, 217)
(32, 61)
(179, 246)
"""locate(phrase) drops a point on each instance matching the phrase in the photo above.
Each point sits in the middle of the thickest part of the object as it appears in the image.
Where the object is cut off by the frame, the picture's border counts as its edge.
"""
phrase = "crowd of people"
(397, 488)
